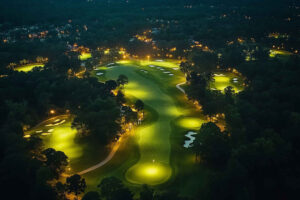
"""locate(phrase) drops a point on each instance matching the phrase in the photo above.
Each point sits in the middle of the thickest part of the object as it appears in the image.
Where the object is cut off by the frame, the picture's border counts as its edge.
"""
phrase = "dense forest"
(256, 155)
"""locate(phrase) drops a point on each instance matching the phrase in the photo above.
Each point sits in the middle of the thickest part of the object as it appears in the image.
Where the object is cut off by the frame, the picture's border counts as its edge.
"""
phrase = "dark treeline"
(256, 156)
(26, 99)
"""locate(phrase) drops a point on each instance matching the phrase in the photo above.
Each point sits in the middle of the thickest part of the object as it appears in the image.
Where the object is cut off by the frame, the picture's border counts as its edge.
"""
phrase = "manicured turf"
(153, 167)
(225, 79)
(85, 56)
(274, 52)
(149, 82)
(57, 133)
(29, 67)
(154, 153)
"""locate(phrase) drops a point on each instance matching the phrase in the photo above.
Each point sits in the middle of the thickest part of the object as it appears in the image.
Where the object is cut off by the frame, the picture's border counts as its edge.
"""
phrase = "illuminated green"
(29, 67)
(85, 56)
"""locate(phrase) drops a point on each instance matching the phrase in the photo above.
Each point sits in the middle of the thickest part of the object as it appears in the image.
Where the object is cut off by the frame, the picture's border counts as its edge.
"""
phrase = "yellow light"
(29, 67)
(149, 173)
(190, 123)
(151, 170)
(27, 136)
(107, 51)
(85, 56)
(52, 112)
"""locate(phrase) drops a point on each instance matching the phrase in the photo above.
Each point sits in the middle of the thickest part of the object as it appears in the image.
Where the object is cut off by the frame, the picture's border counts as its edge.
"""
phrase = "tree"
(120, 98)
(146, 193)
(111, 85)
(229, 95)
(92, 195)
(75, 184)
(139, 105)
(205, 62)
(185, 67)
(113, 189)
(122, 80)
(212, 145)
(60, 189)
(130, 115)
(56, 160)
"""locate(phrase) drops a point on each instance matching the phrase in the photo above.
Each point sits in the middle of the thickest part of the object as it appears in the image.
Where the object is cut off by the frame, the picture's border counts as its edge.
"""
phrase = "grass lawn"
(29, 67)
(221, 80)
(153, 154)
(57, 133)
(150, 81)
(85, 56)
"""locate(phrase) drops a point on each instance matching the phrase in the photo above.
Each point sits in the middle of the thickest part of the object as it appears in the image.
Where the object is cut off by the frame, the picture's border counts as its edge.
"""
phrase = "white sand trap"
(218, 74)
(110, 64)
(175, 68)
(159, 60)
(50, 130)
(235, 79)
(151, 66)
(99, 74)
(188, 143)
(162, 69)
(39, 131)
(63, 121)
(167, 72)
(171, 74)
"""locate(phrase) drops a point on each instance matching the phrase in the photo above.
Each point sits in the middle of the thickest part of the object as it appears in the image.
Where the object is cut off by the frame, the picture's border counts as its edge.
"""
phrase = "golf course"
(153, 152)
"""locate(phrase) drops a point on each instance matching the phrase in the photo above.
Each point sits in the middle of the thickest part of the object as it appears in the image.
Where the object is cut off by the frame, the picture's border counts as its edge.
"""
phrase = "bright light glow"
(107, 51)
(190, 123)
(149, 173)
(167, 64)
(85, 56)
(52, 112)
(29, 67)
(223, 80)
(61, 137)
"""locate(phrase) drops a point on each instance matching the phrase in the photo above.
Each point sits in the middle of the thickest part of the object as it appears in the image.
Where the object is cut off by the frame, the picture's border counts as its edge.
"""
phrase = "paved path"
(103, 162)
(180, 88)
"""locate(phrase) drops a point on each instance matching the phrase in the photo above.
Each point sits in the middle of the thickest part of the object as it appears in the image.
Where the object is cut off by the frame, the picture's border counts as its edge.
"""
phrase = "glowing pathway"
(180, 88)
(106, 160)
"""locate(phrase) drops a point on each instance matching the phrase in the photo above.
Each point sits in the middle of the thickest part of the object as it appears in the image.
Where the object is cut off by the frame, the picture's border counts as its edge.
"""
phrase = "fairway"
(29, 67)
(154, 82)
(148, 81)
(85, 56)
(153, 167)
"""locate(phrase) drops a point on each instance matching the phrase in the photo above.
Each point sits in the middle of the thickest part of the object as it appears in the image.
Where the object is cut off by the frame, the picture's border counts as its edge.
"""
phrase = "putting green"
(58, 134)
(225, 79)
(29, 67)
(190, 123)
(274, 52)
(85, 56)
(153, 167)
